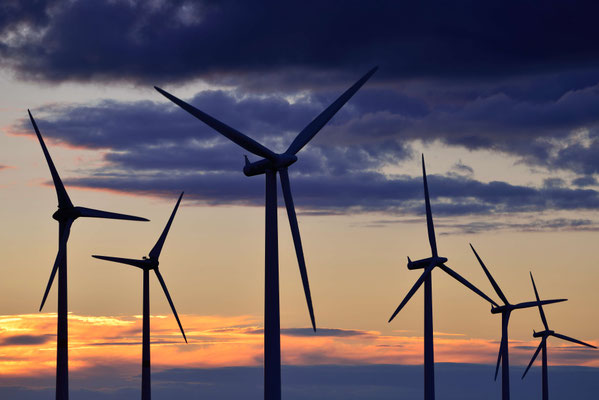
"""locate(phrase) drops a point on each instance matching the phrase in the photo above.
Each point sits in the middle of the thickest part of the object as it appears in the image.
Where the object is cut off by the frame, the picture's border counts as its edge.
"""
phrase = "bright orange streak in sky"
(27, 345)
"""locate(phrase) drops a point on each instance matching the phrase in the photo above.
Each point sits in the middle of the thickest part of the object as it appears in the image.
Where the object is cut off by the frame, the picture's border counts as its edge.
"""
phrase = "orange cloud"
(28, 345)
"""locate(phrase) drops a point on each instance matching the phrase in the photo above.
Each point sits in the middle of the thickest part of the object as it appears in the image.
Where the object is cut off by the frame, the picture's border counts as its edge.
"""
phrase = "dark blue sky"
(328, 382)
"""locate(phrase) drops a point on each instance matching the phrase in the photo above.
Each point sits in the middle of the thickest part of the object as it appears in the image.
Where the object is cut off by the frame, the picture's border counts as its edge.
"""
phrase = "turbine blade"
(168, 297)
(316, 125)
(493, 283)
(429, 215)
(539, 303)
(91, 213)
(414, 289)
(297, 240)
(536, 303)
(534, 356)
(61, 193)
(155, 252)
(62, 248)
(230, 133)
(569, 339)
(499, 356)
(128, 261)
(464, 282)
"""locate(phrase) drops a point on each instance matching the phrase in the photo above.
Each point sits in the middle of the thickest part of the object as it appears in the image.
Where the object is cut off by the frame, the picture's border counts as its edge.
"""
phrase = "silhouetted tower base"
(62, 337)
(272, 341)
(545, 378)
(146, 388)
(505, 363)
(429, 352)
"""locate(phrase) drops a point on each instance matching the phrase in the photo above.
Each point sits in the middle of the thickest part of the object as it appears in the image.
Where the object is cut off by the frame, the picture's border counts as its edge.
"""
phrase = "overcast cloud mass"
(521, 80)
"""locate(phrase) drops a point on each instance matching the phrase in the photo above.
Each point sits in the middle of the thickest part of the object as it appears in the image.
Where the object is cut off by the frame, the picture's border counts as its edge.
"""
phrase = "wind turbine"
(544, 335)
(270, 164)
(146, 264)
(67, 213)
(429, 264)
(505, 310)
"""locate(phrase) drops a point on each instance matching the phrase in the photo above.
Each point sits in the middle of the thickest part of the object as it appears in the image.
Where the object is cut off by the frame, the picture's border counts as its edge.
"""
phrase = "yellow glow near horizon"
(218, 341)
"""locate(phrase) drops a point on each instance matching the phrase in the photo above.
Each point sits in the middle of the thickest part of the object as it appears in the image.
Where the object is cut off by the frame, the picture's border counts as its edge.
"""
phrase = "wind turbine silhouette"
(429, 264)
(147, 264)
(505, 310)
(67, 213)
(270, 165)
(544, 335)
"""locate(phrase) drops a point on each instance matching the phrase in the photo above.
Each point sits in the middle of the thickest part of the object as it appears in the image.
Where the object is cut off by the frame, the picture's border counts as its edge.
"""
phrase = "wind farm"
(270, 165)
(500, 98)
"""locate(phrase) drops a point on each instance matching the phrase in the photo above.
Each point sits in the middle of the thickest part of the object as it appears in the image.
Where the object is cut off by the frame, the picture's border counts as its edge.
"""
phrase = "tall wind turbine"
(544, 335)
(429, 264)
(270, 164)
(146, 264)
(505, 310)
(67, 213)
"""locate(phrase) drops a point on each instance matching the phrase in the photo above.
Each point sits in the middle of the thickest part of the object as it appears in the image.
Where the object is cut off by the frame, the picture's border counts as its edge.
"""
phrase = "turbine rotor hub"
(63, 214)
(260, 167)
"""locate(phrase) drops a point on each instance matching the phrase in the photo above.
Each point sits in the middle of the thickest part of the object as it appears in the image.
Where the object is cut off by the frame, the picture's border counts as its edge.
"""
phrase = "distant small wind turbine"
(544, 335)
(506, 310)
(67, 213)
(429, 264)
(270, 165)
(147, 264)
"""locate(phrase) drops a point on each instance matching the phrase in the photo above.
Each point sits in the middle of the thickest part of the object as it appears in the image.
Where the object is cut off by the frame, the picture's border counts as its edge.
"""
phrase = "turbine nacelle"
(425, 262)
(543, 333)
(501, 309)
(149, 263)
(260, 167)
(63, 214)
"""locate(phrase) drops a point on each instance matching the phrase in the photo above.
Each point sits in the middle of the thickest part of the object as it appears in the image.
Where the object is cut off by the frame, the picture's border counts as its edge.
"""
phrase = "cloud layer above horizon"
(521, 83)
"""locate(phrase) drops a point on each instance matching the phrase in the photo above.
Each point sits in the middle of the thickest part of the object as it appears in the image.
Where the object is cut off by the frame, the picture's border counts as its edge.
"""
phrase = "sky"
(500, 97)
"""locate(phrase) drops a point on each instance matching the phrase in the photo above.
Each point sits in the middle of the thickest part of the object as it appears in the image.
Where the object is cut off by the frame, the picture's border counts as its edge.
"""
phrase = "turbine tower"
(270, 164)
(429, 264)
(67, 213)
(505, 310)
(146, 264)
(544, 335)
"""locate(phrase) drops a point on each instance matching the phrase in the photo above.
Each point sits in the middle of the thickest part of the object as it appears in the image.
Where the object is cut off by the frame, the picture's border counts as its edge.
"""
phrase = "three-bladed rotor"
(434, 261)
(151, 263)
(546, 333)
(67, 213)
(278, 162)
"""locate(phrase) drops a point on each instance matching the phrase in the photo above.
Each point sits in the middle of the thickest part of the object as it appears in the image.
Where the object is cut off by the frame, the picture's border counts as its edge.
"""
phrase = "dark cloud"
(157, 149)
(25, 340)
(168, 41)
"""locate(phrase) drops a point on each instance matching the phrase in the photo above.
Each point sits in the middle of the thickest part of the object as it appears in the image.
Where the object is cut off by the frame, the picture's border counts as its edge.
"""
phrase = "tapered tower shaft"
(62, 334)
(505, 364)
(429, 351)
(272, 341)
(146, 392)
(544, 372)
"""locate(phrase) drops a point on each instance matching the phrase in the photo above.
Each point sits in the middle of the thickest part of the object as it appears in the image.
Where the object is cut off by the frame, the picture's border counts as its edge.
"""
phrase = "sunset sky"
(502, 98)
